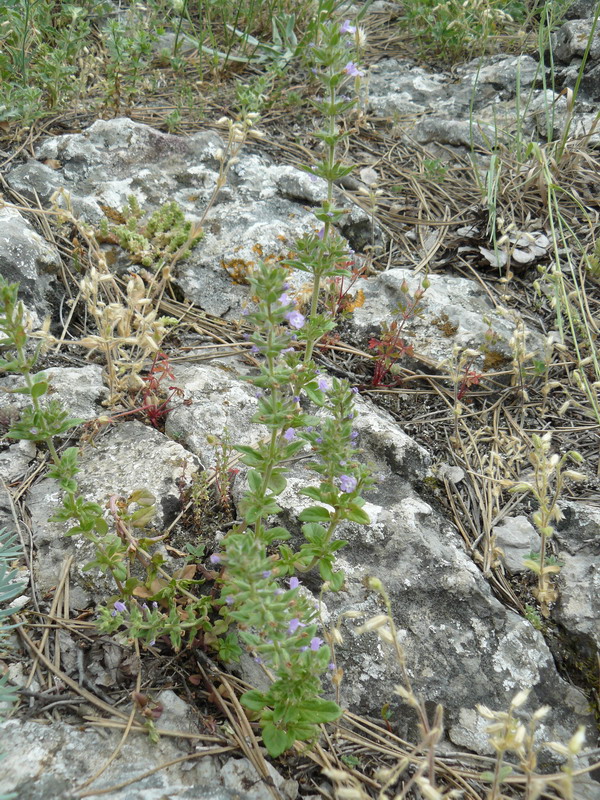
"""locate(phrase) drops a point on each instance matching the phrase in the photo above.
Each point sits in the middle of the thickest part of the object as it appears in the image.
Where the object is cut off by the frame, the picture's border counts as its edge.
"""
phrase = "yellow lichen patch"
(239, 270)
(443, 324)
(494, 360)
(355, 302)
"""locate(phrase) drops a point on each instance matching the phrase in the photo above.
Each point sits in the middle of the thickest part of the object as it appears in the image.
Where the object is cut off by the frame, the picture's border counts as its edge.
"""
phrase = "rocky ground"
(446, 426)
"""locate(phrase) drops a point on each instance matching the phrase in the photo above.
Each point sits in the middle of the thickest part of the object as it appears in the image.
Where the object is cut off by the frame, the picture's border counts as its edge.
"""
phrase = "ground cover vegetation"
(63, 65)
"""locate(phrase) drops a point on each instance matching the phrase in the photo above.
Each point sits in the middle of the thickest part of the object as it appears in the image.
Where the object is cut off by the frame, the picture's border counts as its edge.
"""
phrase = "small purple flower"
(322, 383)
(284, 300)
(303, 648)
(229, 599)
(119, 606)
(354, 390)
(319, 439)
(321, 233)
(266, 573)
(347, 483)
(331, 666)
(346, 27)
(279, 591)
(354, 435)
(258, 659)
(254, 349)
(287, 350)
(294, 624)
(352, 70)
(296, 398)
(154, 604)
(289, 435)
(294, 583)
(145, 607)
(296, 319)
(152, 643)
(215, 558)
(315, 643)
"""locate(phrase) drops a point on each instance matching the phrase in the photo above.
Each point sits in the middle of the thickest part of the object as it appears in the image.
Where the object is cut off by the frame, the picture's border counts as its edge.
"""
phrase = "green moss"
(148, 241)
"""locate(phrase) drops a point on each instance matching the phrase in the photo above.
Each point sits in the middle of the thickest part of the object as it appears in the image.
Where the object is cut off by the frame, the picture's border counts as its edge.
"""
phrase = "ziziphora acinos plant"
(279, 625)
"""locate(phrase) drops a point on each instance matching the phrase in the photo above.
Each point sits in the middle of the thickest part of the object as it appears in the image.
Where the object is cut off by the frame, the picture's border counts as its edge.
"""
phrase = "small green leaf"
(254, 700)
(317, 711)
(277, 482)
(254, 480)
(39, 389)
(276, 740)
(356, 514)
(315, 514)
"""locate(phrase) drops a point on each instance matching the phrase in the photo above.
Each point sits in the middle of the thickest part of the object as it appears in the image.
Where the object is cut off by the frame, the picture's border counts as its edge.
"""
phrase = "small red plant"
(470, 378)
(391, 347)
(152, 406)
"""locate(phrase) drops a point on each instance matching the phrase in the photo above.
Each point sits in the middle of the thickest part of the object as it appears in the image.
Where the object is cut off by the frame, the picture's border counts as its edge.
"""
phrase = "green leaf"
(277, 532)
(254, 480)
(39, 389)
(276, 740)
(316, 395)
(251, 457)
(254, 700)
(313, 493)
(336, 581)
(317, 711)
(315, 514)
(277, 482)
(356, 514)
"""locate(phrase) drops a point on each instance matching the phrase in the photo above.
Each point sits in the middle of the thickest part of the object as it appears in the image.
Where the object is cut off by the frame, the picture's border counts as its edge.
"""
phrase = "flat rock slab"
(127, 457)
(50, 762)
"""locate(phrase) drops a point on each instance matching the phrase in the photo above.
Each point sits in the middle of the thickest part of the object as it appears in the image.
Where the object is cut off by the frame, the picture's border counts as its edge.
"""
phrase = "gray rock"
(571, 41)
(26, 258)
(462, 645)
(127, 457)
(518, 538)
(581, 9)
(52, 761)
(578, 606)
(455, 311)
(80, 390)
(257, 215)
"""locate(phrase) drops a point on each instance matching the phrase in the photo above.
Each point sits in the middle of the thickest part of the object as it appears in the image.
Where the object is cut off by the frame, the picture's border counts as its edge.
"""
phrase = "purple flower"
(154, 604)
(346, 27)
(289, 435)
(315, 643)
(229, 599)
(354, 435)
(215, 558)
(296, 398)
(296, 319)
(331, 666)
(119, 606)
(284, 300)
(319, 439)
(347, 483)
(267, 573)
(321, 233)
(322, 383)
(294, 583)
(254, 349)
(145, 607)
(294, 624)
(278, 591)
(354, 390)
(352, 70)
